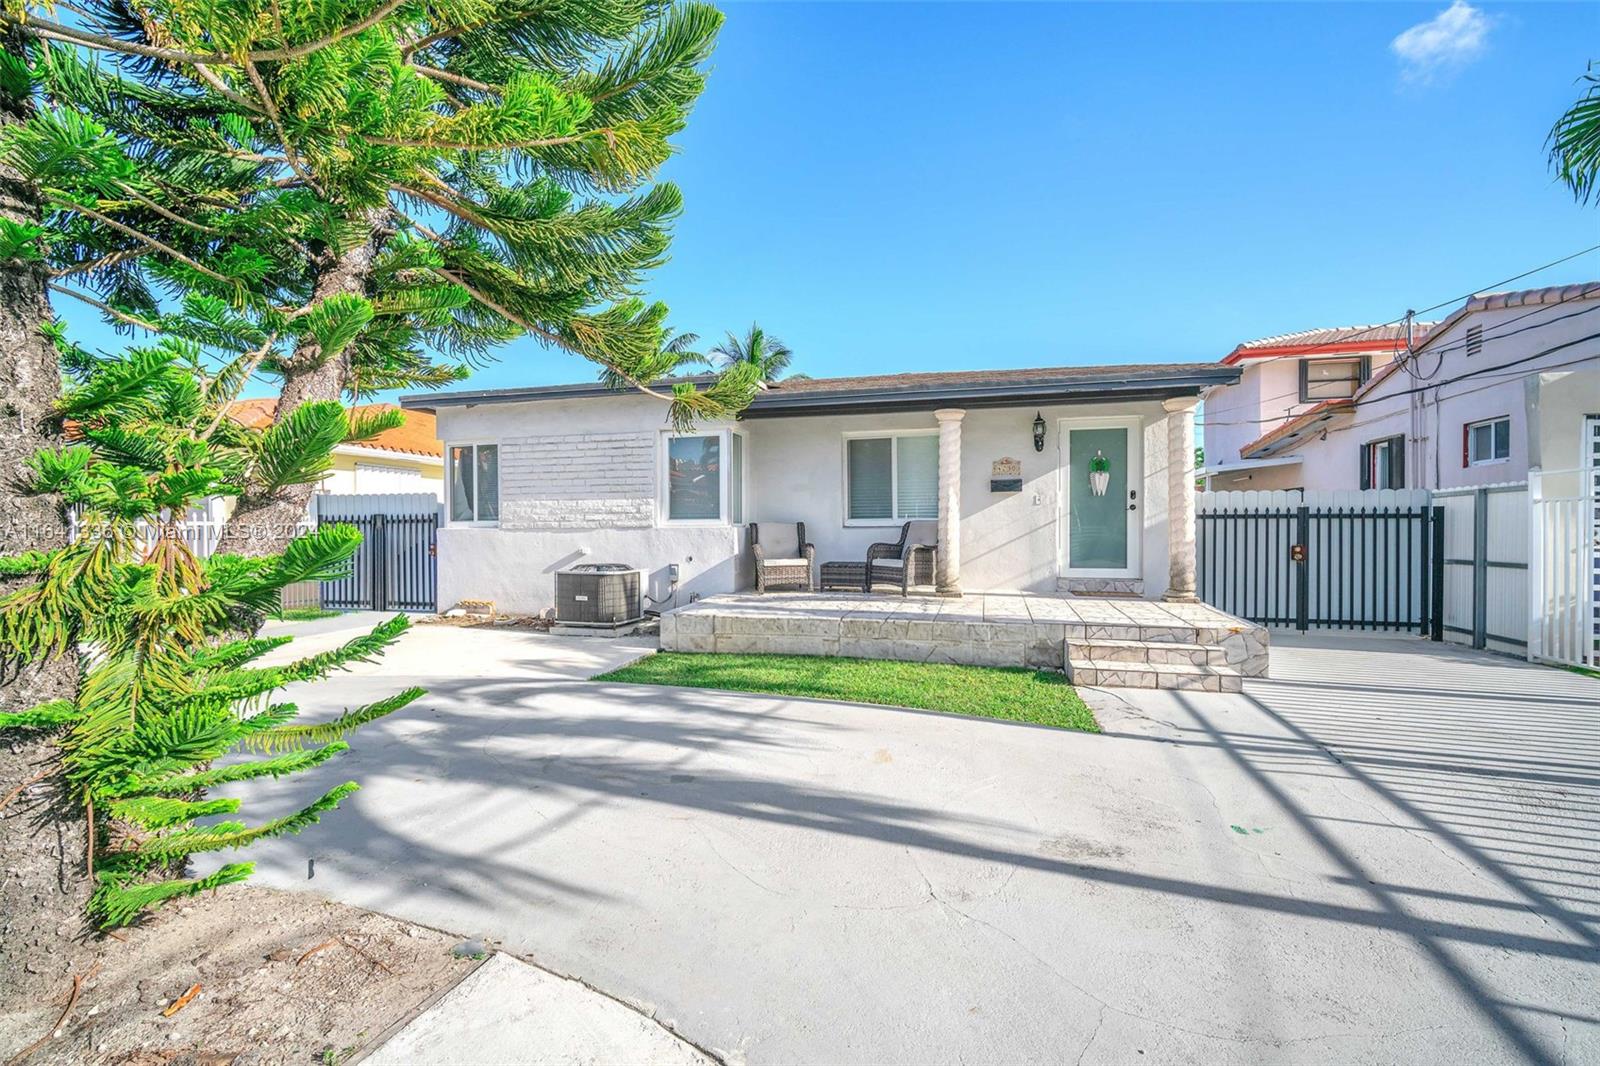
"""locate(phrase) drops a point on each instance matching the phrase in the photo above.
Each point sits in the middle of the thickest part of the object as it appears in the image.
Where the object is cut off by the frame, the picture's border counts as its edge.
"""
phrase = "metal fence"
(1349, 560)
(396, 568)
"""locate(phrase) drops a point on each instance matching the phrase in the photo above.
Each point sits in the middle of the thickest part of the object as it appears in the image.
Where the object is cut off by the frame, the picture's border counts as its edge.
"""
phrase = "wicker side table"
(844, 575)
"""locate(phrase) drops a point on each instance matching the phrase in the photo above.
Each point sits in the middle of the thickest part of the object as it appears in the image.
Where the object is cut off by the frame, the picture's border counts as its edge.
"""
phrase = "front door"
(1102, 478)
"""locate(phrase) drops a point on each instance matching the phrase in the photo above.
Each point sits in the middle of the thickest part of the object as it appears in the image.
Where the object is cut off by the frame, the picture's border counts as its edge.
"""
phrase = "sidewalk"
(508, 1012)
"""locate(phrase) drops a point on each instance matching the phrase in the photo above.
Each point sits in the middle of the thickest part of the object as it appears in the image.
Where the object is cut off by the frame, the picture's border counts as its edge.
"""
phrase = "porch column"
(1181, 582)
(948, 575)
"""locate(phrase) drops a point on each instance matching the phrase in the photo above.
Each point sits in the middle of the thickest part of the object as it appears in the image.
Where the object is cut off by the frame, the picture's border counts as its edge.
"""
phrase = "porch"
(1105, 642)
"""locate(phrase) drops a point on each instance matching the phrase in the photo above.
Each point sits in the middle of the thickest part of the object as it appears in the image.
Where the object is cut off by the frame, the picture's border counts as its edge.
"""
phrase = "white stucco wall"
(579, 482)
(1008, 540)
(1266, 396)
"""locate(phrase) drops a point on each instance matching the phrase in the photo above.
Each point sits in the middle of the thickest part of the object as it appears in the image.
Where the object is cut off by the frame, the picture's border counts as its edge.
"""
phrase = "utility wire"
(1446, 348)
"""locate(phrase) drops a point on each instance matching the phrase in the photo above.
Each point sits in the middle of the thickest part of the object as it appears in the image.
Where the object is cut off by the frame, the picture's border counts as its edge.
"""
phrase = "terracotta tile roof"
(419, 435)
(1384, 337)
(1550, 294)
(1497, 301)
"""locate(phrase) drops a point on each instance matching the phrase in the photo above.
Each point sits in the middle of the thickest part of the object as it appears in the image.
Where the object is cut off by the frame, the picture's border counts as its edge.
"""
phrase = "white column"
(1181, 572)
(948, 573)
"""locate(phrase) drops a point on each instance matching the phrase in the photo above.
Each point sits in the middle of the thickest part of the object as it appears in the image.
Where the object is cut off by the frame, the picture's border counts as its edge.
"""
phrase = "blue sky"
(927, 186)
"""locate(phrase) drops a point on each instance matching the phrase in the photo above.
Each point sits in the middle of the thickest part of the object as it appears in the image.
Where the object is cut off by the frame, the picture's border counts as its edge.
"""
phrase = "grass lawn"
(1010, 692)
(303, 614)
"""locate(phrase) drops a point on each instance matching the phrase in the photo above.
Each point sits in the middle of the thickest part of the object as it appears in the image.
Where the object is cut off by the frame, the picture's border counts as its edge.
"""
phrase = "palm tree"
(767, 353)
(677, 354)
(1575, 141)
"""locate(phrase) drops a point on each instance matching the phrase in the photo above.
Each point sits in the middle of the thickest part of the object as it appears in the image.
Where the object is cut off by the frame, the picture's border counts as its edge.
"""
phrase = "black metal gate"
(1325, 567)
(395, 569)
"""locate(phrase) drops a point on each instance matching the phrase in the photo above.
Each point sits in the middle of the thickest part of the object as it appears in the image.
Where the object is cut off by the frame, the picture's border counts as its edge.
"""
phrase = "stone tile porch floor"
(979, 628)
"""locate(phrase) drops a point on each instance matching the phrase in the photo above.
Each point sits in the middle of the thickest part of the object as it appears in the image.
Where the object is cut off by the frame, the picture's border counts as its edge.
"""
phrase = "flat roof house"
(1043, 480)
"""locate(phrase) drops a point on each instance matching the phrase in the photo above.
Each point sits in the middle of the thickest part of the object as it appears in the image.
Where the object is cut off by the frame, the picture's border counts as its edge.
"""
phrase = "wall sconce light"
(1038, 432)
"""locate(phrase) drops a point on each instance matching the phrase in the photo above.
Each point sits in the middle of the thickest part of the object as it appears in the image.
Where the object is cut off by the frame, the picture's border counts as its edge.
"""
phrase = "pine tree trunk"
(263, 525)
(43, 838)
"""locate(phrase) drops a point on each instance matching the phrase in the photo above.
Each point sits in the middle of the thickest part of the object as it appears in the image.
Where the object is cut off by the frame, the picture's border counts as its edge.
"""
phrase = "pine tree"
(474, 170)
(41, 871)
(165, 694)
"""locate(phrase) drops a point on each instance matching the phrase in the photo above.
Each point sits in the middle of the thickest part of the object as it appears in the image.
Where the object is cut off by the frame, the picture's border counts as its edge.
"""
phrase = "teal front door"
(1101, 476)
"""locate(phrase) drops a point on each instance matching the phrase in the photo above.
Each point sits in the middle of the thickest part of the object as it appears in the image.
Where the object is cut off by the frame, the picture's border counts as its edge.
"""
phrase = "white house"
(1284, 377)
(540, 478)
(1507, 383)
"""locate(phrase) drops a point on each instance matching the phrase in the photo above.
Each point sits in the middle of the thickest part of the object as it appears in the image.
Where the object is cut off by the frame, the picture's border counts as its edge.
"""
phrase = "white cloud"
(1451, 39)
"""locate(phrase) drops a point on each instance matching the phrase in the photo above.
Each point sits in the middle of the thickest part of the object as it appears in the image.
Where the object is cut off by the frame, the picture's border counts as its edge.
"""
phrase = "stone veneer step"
(1107, 673)
(1104, 649)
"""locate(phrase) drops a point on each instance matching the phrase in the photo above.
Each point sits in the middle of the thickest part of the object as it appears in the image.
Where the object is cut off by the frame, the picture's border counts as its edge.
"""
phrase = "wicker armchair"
(907, 561)
(783, 558)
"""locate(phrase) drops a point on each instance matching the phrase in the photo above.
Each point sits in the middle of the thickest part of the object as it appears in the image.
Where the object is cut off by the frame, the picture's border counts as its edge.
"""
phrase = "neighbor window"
(1383, 464)
(892, 478)
(474, 483)
(1488, 441)
(1331, 379)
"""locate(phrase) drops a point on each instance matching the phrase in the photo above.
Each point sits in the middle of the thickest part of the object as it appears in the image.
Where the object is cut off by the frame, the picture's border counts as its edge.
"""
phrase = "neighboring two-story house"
(1509, 382)
(1284, 378)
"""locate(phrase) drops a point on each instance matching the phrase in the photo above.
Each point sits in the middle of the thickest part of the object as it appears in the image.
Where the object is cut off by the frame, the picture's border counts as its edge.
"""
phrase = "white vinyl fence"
(1564, 573)
(1486, 568)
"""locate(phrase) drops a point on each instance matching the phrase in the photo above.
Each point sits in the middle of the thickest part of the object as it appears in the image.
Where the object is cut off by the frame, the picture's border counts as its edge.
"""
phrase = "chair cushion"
(923, 533)
(887, 564)
(778, 539)
(783, 562)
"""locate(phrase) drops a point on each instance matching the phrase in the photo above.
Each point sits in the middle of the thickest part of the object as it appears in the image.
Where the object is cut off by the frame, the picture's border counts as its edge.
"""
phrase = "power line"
(1446, 348)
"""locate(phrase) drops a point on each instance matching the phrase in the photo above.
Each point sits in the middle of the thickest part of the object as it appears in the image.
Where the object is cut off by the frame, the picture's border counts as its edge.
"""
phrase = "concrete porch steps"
(1114, 673)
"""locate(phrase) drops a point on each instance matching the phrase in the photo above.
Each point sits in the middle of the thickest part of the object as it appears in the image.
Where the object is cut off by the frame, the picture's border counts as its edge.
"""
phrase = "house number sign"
(1005, 475)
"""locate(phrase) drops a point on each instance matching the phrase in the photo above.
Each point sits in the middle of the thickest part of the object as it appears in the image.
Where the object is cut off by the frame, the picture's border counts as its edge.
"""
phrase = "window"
(702, 477)
(736, 478)
(474, 473)
(1332, 379)
(1488, 441)
(694, 478)
(1383, 464)
(891, 479)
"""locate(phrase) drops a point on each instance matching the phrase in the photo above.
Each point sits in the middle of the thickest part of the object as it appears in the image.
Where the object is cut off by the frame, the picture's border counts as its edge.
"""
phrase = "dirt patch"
(480, 621)
(283, 978)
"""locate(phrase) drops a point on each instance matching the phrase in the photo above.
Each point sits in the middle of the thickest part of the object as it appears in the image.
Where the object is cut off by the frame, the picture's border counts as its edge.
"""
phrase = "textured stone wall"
(578, 481)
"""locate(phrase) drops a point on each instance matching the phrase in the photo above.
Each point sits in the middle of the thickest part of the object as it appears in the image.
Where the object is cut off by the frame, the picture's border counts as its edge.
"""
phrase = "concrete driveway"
(1384, 854)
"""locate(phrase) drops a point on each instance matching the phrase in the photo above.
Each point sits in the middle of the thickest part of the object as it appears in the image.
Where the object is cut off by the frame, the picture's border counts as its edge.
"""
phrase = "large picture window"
(702, 477)
(474, 473)
(891, 478)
